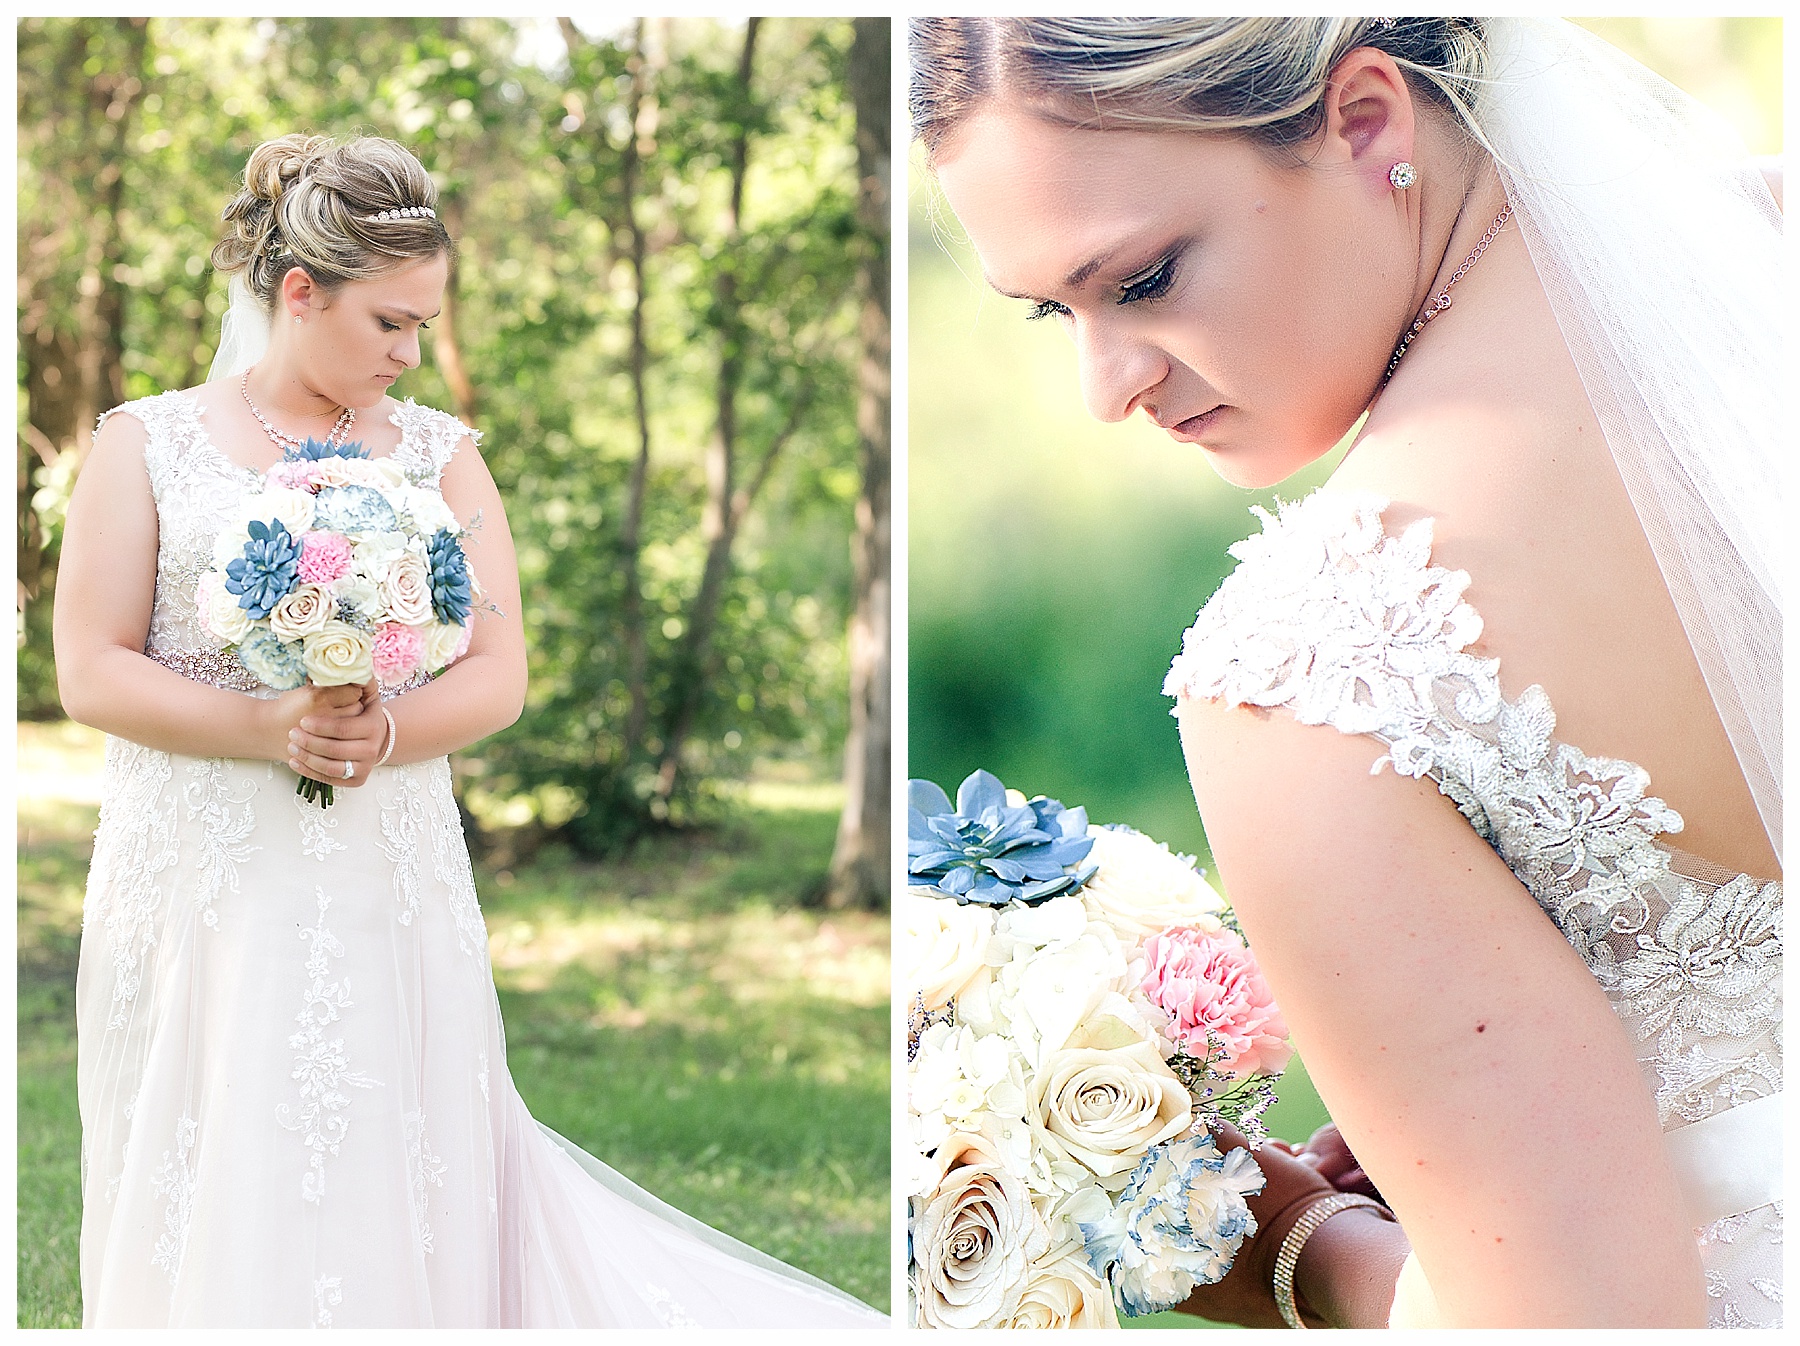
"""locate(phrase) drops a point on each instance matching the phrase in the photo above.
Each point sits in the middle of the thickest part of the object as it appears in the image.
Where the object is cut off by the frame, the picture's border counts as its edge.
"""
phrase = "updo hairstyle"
(1261, 77)
(308, 202)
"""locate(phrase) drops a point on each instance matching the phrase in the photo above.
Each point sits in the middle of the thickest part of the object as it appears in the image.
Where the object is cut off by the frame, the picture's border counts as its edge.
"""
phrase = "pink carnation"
(398, 650)
(462, 641)
(1209, 985)
(324, 557)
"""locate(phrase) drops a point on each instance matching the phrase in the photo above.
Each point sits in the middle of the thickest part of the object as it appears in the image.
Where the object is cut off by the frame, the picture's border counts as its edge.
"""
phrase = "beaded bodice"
(1329, 616)
(196, 488)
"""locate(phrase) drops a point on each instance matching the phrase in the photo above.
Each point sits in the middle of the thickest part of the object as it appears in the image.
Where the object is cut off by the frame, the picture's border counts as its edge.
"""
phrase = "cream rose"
(441, 640)
(305, 610)
(974, 1239)
(1143, 888)
(1063, 1292)
(407, 591)
(335, 471)
(291, 505)
(337, 654)
(225, 617)
(1106, 1098)
(942, 944)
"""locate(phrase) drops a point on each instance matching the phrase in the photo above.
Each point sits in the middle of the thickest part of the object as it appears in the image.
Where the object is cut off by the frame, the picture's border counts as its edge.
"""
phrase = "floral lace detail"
(450, 857)
(403, 822)
(428, 440)
(134, 846)
(668, 1311)
(322, 1067)
(175, 1180)
(225, 839)
(328, 1293)
(426, 1168)
(317, 826)
(1329, 616)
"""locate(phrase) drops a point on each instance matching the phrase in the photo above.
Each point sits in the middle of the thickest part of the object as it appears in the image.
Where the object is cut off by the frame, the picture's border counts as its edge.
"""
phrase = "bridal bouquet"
(337, 571)
(1082, 1008)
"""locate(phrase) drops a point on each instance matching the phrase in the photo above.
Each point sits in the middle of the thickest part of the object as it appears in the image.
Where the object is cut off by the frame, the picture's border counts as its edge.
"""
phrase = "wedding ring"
(349, 770)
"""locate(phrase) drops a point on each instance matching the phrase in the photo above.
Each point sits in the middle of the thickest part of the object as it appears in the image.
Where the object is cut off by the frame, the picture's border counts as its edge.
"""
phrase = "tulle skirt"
(295, 1104)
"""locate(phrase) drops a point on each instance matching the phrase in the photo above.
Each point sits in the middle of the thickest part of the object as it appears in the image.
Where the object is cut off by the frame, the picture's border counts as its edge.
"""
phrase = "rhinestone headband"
(402, 213)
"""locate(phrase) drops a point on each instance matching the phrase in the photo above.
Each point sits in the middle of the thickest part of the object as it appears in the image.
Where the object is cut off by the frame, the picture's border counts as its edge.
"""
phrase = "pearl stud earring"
(1402, 175)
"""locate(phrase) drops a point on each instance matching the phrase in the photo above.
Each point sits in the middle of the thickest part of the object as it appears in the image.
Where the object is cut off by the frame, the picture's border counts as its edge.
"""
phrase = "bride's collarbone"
(239, 438)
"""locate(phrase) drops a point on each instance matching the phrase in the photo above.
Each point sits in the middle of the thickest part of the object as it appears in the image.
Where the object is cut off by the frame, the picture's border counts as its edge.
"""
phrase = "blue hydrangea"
(451, 597)
(1178, 1224)
(354, 509)
(314, 449)
(262, 576)
(272, 661)
(988, 852)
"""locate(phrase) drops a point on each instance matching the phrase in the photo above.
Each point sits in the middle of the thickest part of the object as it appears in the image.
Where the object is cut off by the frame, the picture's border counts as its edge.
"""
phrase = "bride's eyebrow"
(1074, 280)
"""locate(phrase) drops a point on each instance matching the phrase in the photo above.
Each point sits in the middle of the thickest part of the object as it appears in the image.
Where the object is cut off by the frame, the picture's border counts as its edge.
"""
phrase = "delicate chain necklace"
(345, 420)
(1442, 299)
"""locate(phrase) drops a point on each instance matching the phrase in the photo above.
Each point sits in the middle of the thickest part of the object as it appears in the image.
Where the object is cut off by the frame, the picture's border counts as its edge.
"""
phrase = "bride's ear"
(299, 295)
(1369, 122)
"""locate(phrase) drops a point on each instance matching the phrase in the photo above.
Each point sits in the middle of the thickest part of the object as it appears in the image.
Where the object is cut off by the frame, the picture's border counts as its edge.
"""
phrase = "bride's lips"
(1194, 428)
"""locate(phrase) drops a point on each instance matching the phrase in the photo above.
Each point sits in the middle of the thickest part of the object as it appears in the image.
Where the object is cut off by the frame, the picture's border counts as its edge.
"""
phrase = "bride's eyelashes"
(387, 326)
(1151, 283)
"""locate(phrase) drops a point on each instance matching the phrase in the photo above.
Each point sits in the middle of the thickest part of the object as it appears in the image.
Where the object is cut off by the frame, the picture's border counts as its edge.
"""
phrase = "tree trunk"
(630, 534)
(859, 863)
(717, 521)
(446, 349)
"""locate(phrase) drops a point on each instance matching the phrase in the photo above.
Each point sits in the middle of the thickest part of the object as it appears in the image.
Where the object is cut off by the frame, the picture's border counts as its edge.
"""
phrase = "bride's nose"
(406, 348)
(1116, 370)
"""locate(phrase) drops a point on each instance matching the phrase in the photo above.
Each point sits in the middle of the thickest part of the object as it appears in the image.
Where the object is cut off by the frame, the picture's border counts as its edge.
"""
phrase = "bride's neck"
(279, 388)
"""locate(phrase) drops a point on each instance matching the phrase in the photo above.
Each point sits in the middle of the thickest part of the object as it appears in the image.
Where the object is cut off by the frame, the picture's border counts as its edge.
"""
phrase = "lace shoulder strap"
(172, 430)
(428, 440)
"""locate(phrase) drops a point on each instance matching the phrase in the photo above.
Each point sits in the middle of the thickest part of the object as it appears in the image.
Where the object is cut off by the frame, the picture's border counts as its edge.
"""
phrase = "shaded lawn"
(678, 1015)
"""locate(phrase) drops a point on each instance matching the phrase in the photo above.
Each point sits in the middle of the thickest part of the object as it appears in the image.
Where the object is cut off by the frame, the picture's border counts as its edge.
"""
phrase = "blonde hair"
(309, 202)
(1261, 77)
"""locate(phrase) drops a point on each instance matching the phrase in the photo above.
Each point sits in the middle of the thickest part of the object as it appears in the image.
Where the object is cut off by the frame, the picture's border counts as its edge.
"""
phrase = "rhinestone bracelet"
(1289, 1255)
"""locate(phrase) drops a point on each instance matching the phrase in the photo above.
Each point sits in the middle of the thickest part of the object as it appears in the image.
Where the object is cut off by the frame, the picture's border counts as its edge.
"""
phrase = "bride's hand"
(1327, 1151)
(1246, 1295)
(342, 724)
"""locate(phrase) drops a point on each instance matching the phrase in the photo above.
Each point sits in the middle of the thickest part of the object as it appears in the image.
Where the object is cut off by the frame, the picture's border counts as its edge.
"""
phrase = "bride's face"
(354, 341)
(1245, 305)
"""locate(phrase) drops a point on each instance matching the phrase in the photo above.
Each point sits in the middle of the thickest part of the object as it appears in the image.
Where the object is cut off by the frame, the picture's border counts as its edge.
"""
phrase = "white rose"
(335, 471)
(942, 944)
(337, 654)
(407, 591)
(374, 553)
(427, 508)
(1061, 1291)
(973, 1239)
(1105, 1098)
(388, 473)
(363, 594)
(290, 504)
(225, 617)
(229, 545)
(305, 610)
(1142, 888)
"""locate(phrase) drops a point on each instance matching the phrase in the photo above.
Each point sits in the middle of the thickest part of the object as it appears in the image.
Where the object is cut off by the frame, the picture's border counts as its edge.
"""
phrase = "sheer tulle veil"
(243, 335)
(1660, 248)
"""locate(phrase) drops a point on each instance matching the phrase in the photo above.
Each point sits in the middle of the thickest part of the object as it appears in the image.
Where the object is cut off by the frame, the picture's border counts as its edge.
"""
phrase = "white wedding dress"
(1343, 625)
(295, 1104)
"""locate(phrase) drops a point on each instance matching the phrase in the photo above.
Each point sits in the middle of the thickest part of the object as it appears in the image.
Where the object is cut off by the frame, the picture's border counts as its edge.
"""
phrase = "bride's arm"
(1463, 1048)
(484, 691)
(105, 588)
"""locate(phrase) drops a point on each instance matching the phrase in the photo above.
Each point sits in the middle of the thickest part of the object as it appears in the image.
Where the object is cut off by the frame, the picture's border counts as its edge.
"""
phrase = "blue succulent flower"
(1178, 1223)
(314, 449)
(272, 661)
(988, 852)
(262, 576)
(451, 596)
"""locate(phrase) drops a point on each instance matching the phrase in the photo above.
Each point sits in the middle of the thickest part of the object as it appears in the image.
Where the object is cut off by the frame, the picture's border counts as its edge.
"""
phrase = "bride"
(1533, 958)
(294, 1098)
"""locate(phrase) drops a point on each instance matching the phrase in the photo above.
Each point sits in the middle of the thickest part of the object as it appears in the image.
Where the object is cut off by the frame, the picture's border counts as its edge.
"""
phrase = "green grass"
(678, 1014)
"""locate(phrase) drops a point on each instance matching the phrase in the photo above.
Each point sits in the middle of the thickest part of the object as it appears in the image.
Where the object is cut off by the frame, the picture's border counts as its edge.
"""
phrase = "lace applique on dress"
(667, 1309)
(450, 856)
(428, 440)
(1342, 624)
(427, 1169)
(328, 1293)
(403, 823)
(224, 837)
(322, 1066)
(134, 846)
(175, 1180)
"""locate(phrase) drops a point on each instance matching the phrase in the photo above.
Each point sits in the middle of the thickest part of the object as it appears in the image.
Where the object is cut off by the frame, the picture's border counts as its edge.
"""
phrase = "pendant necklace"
(1441, 300)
